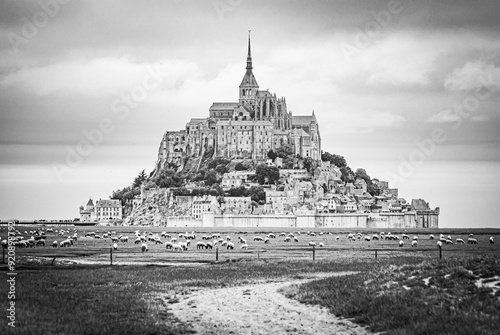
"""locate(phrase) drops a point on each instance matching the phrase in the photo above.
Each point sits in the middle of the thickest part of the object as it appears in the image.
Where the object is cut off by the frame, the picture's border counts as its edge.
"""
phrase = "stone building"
(249, 128)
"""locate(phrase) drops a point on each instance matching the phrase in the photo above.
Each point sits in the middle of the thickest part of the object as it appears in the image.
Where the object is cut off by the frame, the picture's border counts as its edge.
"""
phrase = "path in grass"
(259, 309)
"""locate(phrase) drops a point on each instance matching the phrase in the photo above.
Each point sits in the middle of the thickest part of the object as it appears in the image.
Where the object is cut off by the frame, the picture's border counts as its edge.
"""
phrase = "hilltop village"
(252, 163)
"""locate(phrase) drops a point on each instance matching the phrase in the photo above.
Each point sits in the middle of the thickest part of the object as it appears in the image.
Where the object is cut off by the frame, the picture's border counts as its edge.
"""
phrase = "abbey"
(249, 128)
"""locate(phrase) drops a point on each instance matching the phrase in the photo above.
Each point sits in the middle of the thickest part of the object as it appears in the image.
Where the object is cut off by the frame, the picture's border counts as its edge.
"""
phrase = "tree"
(139, 179)
(265, 173)
(221, 169)
(238, 192)
(272, 155)
(336, 160)
(240, 167)
(210, 178)
(257, 193)
(285, 150)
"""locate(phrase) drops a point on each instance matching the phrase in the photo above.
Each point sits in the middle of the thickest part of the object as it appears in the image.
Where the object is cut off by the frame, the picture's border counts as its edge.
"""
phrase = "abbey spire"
(248, 87)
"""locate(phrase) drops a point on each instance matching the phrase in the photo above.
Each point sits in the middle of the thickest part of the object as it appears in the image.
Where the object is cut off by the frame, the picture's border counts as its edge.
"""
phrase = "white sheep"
(367, 238)
(405, 237)
(200, 245)
(115, 246)
(230, 245)
(177, 247)
(415, 238)
(266, 240)
(287, 239)
(401, 243)
(414, 243)
(54, 244)
(295, 239)
(492, 241)
(321, 244)
(4, 244)
(228, 238)
(471, 241)
(312, 244)
(244, 246)
(168, 245)
(449, 242)
(144, 247)
(337, 238)
(460, 241)
(439, 243)
(431, 236)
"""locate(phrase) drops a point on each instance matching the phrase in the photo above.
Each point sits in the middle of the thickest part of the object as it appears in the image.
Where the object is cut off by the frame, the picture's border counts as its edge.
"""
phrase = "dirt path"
(259, 309)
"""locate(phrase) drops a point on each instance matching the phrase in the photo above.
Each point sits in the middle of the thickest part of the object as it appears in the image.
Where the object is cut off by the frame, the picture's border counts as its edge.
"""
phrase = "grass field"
(405, 291)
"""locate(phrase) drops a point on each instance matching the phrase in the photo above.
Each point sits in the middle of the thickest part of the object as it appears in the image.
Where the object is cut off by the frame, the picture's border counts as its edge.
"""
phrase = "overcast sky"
(407, 90)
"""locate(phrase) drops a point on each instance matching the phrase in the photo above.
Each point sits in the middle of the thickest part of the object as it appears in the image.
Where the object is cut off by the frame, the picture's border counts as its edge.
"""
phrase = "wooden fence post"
(375, 254)
(258, 253)
(440, 253)
(111, 255)
(314, 252)
(216, 253)
(3, 255)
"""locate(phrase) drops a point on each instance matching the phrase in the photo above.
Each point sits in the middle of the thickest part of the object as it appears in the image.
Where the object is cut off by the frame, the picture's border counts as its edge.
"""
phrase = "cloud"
(473, 75)
(451, 116)
(446, 116)
(96, 77)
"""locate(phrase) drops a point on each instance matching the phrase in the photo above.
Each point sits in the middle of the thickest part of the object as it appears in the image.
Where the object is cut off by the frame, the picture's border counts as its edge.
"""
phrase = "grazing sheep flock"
(243, 242)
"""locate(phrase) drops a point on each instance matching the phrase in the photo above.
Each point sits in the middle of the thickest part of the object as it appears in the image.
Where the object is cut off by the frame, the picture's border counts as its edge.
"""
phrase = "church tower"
(248, 86)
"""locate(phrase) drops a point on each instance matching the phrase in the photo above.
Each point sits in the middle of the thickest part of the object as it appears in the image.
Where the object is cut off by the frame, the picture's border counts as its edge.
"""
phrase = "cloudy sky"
(407, 90)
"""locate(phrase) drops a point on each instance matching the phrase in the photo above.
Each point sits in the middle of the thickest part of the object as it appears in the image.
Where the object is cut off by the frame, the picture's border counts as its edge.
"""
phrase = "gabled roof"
(419, 205)
(90, 202)
(304, 120)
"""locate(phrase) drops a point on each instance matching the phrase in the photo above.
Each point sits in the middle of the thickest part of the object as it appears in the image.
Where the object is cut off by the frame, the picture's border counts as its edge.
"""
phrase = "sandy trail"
(259, 309)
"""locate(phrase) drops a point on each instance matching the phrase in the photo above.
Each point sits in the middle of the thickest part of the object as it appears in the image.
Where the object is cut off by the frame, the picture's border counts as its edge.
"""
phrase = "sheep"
(242, 240)
(39, 242)
(244, 246)
(312, 244)
(158, 241)
(224, 243)
(375, 237)
(401, 243)
(54, 244)
(4, 244)
(137, 240)
(337, 238)
(271, 235)
(183, 245)
(449, 237)
(414, 243)
(115, 246)
(228, 238)
(282, 235)
(460, 241)
(168, 245)
(287, 239)
(114, 239)
(321, 244)
(470, 235)
(201, 245)
(439, 243)
(471, 241)
(367, 238)
(431, 236)
(173, 240)
(312, 234)
(415, 238)
(124, 239)
(405, 237)
(230, 245)
(258, 238)
(266, 240)
(144, 247)
(492, 241)
(295, 239)
(449, 242)
(209, 245)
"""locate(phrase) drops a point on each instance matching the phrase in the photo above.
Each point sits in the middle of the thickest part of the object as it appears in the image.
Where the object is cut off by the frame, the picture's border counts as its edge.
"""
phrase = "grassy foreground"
(432, 297)
(129, 299)
(405, 295)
